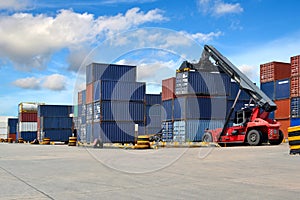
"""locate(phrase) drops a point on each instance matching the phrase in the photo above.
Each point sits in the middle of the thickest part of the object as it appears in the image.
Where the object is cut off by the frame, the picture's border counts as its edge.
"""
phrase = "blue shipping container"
(295, 122)
(56, 122)
(269, 89)
(82, 113)
(54, 110)
(152, 99)
(167, 131)
(295, 107)
(167, 110)
(122, 111)
(112, 72)
(97, 111)
(97, 91)
(204, 83)
(234, 88)
(199, 108)
(89, 132)
(121, 132)
(61, 135)
(153, 115)
(127, 91)
(28, 136)
(12, 124)
(282, 89)
(82, 133)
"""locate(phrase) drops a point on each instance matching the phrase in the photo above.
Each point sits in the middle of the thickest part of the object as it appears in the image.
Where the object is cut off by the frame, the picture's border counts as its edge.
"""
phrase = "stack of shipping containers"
(114, 103)
(275, 82)
(153, 113)
(27, 124)
(200, 103)
(55, 122)
(12, 128)
(295, 90)
(168, 96)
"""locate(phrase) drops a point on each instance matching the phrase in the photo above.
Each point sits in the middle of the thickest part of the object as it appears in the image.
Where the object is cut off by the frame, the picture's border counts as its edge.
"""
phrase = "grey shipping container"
(89, 113)
(112, 72)
(167, 131)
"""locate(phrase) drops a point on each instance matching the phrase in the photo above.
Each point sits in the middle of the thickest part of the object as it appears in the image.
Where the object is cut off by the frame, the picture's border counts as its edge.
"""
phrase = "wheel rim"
(253, 137)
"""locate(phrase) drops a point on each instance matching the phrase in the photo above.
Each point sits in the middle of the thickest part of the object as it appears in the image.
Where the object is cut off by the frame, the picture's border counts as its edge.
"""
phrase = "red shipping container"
(295, 64)
(285, 124)
(28, 117)
(12, 135)
(79, 98)
(294, 87)
(274, 71)
(89, 93)
(168, 89)
(283, 109)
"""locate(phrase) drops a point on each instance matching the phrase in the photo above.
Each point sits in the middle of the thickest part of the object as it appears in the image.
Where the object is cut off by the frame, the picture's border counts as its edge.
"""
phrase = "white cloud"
(28, 83)
(14, 4)
(227, 8)
(55, 82)
(28, 40)
(219, 7)
(203, 38)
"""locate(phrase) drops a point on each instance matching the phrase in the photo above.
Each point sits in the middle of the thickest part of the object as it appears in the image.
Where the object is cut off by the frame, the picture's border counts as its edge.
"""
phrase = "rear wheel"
(207, 137)
(277, 142)
(254, 137)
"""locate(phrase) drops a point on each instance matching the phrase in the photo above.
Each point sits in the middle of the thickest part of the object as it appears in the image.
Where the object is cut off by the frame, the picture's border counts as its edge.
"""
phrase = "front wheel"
(277, 142)
(254, 137)
(207, 137)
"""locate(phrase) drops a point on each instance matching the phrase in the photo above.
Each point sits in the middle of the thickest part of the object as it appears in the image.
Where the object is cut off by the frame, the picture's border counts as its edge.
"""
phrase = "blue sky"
(46, 44)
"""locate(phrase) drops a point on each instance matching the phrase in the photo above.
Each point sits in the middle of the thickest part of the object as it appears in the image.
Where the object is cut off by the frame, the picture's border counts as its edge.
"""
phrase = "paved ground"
(62, 172)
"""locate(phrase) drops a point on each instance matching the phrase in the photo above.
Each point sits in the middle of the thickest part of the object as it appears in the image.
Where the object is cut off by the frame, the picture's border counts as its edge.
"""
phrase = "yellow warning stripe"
(293, 129)
(294, 147)
(294, 138)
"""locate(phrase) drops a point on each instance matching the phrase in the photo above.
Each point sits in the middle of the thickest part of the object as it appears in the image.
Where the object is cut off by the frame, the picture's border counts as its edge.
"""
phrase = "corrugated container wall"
(202, 83)
(28, 136)
(168, 89)
(89, 93)
(167, 131)
(112, 72)
(295, 65)
(57, 134)
(283, 111)
(167, 110)
(28, 117)
(12, 125)
(274, 71)
(295, 122)
(54, 110)
(295, 86)
(4, 126)
(285, 124)
(233, 91)
(82, 97)
(151, 99)
(127, 91)
(282, 89)
(295, 107)
(269, 89)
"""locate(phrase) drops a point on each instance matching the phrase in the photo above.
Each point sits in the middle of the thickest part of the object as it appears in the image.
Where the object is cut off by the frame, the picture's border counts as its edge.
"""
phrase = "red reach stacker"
(251, 125)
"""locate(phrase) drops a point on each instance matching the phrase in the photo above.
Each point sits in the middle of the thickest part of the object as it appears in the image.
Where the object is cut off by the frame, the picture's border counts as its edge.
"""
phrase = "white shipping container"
(4, 126)
(27, 126)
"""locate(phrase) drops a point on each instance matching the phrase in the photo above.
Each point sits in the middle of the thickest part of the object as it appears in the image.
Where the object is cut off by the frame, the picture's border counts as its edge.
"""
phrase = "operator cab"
(242, 117)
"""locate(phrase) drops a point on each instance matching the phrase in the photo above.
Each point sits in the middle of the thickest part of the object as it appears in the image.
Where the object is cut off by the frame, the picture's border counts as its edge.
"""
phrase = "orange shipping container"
(295, 64)
(274, 71)
(295, 86)
(89, 93)
(168, 89)
(79, 97)
(283, 108)
(285, 123)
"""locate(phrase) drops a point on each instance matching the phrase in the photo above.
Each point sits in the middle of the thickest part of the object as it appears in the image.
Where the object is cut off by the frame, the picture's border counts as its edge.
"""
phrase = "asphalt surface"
(63, 172)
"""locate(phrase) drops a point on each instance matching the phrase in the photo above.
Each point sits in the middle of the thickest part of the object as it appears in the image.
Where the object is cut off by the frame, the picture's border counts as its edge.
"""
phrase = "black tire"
(277, 142)
(254, 137)
(207, 137)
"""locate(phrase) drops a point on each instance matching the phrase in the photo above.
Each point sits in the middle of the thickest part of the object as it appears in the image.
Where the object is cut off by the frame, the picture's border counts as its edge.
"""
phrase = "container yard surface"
(62, 172)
